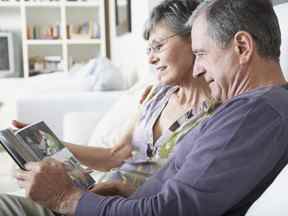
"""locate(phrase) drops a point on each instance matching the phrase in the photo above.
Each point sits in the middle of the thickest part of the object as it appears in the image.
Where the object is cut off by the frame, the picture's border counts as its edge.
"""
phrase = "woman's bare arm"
(104, 159)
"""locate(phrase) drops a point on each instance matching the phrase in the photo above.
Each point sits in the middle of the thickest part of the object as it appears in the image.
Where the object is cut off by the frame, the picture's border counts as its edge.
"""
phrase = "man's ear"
(244, 46)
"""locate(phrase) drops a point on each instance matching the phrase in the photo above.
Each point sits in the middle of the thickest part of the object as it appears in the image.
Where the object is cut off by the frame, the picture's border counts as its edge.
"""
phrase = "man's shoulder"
(273, 97)
(268, 102)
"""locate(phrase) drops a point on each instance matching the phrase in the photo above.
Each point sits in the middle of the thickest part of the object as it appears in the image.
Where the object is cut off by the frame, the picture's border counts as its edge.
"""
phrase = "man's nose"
(198, 70)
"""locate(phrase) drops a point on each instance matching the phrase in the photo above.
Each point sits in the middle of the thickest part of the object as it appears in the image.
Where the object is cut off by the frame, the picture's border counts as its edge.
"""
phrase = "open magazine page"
(18, 150)
(75, 171)
(44, 143)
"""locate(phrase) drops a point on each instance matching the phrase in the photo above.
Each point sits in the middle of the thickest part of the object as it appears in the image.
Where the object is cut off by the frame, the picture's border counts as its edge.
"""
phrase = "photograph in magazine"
(36, 142)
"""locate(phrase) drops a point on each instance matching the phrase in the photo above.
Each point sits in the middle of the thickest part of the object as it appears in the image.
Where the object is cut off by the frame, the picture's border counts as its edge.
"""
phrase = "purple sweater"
(219, 168)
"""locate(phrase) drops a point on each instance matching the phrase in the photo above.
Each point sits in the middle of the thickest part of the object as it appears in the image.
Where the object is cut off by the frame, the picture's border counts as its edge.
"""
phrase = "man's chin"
(215, 94)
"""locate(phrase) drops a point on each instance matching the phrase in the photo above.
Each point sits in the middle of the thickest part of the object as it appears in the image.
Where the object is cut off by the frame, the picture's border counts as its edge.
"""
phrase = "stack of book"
(43, 32)
(46, 64)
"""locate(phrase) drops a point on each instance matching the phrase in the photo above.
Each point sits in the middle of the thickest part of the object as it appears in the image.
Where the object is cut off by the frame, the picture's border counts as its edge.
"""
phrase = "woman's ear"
(244, 46)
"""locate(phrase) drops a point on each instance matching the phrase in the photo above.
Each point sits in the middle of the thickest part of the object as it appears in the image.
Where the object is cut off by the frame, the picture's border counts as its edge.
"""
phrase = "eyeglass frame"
(155, 48)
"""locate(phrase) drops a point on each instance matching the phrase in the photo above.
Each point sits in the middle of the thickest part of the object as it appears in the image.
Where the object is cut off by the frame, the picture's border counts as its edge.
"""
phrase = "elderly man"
(225, 164)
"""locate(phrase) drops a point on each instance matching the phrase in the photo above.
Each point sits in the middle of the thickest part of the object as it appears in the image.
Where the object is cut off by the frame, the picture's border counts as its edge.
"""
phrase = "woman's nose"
(152, 58)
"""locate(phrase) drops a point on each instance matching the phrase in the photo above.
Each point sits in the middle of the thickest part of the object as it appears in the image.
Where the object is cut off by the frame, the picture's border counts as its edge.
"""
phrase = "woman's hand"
(113, 188)
(17, 124)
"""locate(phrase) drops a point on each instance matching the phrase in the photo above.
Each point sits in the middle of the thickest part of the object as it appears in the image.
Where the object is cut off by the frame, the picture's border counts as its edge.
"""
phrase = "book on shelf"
(36, 142)
(51, 32)
(46, 64)
(86, 30)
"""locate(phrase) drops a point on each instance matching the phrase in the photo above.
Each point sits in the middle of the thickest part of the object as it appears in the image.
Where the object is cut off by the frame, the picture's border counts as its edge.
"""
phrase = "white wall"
(128, 51)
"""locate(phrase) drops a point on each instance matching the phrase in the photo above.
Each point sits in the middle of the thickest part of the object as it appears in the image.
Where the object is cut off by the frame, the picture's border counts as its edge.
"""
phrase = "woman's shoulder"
(159, 92)
(158, 95)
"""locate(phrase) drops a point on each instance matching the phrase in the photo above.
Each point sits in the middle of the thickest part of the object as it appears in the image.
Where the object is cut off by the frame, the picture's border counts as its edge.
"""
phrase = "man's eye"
(198, 55)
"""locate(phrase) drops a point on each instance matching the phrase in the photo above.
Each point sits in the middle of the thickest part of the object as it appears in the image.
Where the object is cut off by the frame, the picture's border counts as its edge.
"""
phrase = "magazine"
(36, 142)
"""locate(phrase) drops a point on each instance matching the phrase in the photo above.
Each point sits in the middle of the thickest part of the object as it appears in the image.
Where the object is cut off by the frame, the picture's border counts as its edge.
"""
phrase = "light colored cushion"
(115, 121)
(107, 76)
(282, 14)
(82, 70)
(78, 126)
(274, 201)
(57, 86)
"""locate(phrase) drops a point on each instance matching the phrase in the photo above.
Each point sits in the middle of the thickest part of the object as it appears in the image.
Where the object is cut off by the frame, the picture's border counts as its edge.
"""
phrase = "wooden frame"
(122, 16)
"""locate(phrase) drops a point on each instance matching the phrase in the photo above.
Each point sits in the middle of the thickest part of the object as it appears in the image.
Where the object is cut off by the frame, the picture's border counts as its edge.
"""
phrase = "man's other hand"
(47, 183)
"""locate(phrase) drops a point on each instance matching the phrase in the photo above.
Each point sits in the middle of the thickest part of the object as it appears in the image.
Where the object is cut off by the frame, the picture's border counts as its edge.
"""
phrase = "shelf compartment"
(83, 22)
(43, 23)
(45, 59)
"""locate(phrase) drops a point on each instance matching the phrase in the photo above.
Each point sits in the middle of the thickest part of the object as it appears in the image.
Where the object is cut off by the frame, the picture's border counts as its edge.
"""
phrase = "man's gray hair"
(227, 17)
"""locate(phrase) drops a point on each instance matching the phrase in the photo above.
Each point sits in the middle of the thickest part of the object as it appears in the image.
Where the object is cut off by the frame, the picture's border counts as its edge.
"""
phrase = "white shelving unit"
(49, 29)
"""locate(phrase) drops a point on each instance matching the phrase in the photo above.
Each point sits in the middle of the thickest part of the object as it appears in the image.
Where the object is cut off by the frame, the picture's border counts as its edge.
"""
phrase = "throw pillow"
(107, 76)
(115, 121)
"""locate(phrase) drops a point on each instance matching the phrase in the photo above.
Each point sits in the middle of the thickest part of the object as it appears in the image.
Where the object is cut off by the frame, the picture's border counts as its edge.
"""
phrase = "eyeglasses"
(157, 46)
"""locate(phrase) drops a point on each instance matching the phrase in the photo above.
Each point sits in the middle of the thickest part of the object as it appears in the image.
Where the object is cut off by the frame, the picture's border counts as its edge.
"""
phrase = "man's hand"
(47, 183)
(113, 188)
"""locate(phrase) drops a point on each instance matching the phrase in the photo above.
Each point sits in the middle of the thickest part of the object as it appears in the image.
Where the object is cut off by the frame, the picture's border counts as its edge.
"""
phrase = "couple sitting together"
(208, 140)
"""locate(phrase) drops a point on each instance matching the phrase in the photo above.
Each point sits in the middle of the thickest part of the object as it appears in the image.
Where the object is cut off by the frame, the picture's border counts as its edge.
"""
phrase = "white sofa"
(95, 85)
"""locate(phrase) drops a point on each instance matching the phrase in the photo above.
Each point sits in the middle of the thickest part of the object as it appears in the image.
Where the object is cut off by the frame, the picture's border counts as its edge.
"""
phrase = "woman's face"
(171, 56)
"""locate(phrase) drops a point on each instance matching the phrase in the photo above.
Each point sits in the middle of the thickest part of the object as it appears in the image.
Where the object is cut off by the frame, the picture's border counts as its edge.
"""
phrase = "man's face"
(218, 66)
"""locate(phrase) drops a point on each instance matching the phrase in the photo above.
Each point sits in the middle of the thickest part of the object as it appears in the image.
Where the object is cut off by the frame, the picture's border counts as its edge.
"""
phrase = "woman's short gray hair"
(174, 14)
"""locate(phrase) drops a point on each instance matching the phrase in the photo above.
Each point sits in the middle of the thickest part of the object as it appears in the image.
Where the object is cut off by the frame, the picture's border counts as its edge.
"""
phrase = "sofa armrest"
(52, 108)
(78, 126)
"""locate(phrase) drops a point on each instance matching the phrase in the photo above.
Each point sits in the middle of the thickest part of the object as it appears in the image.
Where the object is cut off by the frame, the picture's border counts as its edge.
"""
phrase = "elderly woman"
(178, 104)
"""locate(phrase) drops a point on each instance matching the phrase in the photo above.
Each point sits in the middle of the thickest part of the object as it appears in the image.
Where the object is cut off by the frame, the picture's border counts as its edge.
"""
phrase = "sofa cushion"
(281, 12)
(107, 76)
(116, 120)
(274, 201)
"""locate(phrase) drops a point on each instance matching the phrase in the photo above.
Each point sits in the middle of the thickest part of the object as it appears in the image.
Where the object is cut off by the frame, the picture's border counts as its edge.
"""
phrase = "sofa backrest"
(282, 14)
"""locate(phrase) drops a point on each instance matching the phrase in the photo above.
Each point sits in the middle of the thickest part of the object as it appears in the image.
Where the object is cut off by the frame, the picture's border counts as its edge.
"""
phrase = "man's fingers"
(22, 175)
(22, 184)
(33, 166)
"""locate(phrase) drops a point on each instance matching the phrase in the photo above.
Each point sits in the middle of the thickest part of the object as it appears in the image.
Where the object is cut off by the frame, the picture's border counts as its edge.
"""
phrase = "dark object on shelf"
(123, 16)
